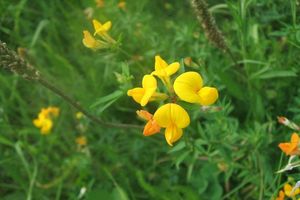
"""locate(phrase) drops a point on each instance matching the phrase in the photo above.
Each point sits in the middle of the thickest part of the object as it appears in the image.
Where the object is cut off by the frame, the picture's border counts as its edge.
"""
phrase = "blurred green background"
(226, 153)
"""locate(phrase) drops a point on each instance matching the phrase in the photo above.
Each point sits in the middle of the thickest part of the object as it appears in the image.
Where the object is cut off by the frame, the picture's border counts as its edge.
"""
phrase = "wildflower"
(174, 118)
(286, 122)
(280, 195)
(164, 70)
(79, 115)
(189, 87)
(101, 29)
(44, 120)
(288, 190)
(81, 140)
(146, 93)
(151, 126)
(292, 147)
(99, 3)
(122, 4)
(90, 42)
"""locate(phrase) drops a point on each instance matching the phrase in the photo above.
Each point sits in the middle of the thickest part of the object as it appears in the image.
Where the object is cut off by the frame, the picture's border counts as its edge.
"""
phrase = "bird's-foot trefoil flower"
(189, 87)
(291, 148)
(174, 118)
(151, 126)
(102, 30)
(146, 93)
(44, 120)
(163, 70)
(90, 42)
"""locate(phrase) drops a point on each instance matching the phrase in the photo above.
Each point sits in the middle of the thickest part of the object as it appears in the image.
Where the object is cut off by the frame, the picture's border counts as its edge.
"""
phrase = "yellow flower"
(99, 3)
(81, 140)
(101, 29)
(44, 121)
(189, 87)
(122, 4)
(146, 93)
(90, 42)
(79, 115)
(151, 126)
(288, 189)
(291, 148)
(163, 70)
(174, 118)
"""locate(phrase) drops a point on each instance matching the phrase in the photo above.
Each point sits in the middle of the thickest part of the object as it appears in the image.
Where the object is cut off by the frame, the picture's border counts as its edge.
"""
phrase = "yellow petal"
(89, 41)
(149, 82)
(172, 114)
(208, 95)
(172, 68)
(160, 63)
(107, 25)
(37, 123)
(147, 95)
(136, 93)
(172, 134)
(47, 126)
(187, 85)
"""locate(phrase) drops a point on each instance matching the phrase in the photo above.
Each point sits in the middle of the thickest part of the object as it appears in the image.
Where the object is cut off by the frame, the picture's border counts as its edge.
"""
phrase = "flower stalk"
(11, 61)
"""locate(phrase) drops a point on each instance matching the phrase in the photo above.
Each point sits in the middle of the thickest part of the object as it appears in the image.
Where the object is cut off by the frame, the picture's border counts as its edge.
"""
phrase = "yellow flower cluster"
(44, 120)
(101, 30)
(287, 191)
(187, 87)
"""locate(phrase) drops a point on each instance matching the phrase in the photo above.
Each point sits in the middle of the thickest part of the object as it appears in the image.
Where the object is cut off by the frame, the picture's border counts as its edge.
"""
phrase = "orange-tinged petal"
(171, 114)
(151, 128)
(187, 85)
(172, 134)
(284, 147)
(144, 114)
(160, 63)
(208, 95)
(280, 195)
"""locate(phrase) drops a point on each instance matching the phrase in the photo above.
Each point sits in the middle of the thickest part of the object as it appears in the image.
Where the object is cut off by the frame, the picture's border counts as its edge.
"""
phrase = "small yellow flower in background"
(280, 195)
(146, 93)
(90, 42)
(44, 120)
(174, 118)
(288, 189)
(189, 87)
(122, 4)
(81, 141)
(99, 3)
(291, 148)
(151, 126)
(101, 30)
(79, 115)
(163, 70)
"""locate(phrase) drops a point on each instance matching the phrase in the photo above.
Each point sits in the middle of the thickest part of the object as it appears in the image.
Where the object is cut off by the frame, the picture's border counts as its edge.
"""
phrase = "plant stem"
(76, 105)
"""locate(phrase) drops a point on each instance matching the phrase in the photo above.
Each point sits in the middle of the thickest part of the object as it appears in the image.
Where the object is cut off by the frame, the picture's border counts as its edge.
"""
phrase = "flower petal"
(151, 128)
(149, 82)
(136, 93)
(107, 25)
(172, 68)
(172, 134)
(187, 85)
(147, 95)
(160, 63)
(172, 114)
(89, 41)
(208, 96)
(144, 114)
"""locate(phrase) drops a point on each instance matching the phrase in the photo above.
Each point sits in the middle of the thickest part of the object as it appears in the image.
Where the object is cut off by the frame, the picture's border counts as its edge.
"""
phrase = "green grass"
(226, 154)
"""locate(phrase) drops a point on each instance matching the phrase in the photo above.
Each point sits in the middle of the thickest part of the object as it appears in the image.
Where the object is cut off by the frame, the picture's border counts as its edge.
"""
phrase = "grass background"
(226, 154)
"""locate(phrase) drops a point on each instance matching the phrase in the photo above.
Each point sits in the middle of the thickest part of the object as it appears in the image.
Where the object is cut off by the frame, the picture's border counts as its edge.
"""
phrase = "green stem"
(76, 105)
